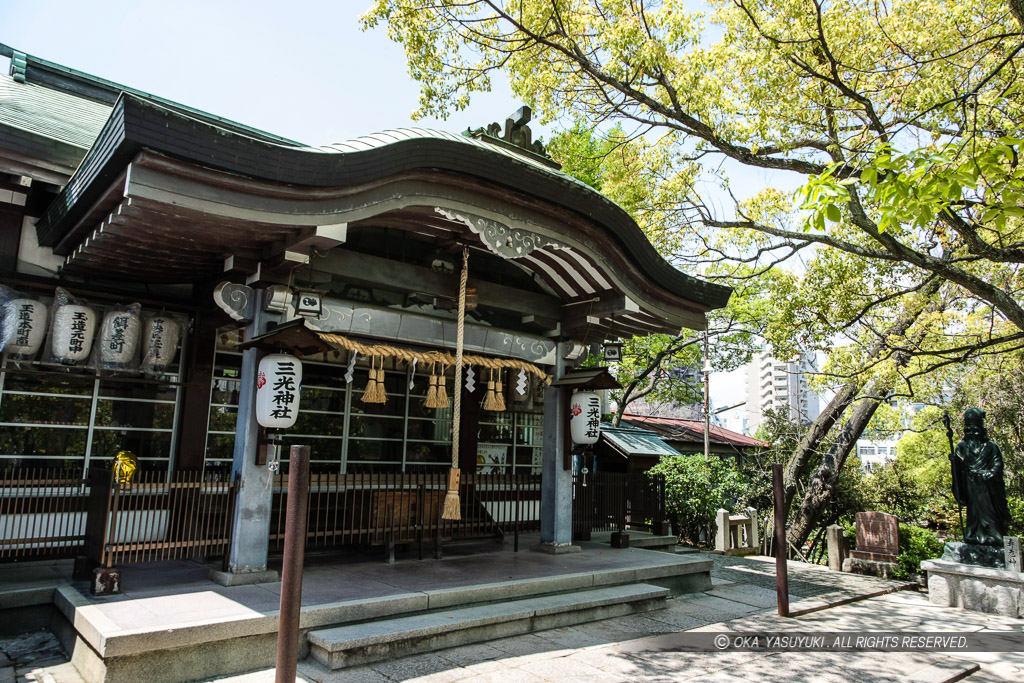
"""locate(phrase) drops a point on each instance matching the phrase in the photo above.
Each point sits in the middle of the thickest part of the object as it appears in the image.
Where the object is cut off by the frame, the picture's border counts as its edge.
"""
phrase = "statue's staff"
(952, 454)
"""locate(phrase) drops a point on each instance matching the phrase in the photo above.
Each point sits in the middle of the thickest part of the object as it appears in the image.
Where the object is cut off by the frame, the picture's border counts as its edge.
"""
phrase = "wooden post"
(781, 549)
(291, 571)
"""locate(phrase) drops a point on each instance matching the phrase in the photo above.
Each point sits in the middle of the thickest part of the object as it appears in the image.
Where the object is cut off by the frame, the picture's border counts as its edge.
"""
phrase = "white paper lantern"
(24, 326)
(585, 417)
(73, 330)
(277, 390)
(160, 338)
(119, 338)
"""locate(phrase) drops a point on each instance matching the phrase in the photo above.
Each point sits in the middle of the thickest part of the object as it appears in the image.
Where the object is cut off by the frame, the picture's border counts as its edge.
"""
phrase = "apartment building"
(780, 386)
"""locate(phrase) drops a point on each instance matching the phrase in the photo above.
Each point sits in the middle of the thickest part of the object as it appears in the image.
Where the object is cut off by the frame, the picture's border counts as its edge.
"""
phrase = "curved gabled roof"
(136, 124)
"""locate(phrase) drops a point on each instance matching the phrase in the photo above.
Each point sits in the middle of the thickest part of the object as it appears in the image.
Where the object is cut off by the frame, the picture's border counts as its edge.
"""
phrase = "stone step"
(356, 644)
(667, 542)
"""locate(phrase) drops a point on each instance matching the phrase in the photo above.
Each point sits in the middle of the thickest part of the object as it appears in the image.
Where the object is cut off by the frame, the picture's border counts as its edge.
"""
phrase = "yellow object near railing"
(125, 464)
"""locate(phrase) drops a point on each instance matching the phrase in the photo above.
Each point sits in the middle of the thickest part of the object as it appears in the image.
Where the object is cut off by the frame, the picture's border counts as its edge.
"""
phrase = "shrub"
(1016, 506)
(916, 545)
(695, 488)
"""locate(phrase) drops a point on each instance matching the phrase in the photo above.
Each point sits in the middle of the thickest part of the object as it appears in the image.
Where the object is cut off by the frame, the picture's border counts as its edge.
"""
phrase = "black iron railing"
(614, 501)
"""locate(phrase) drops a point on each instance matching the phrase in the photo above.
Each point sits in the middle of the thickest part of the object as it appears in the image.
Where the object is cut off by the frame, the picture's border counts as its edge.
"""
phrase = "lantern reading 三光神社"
(585, 417)
(24, 326)
(119, 338)
(277, 391)
(74, 327)
(160, 338)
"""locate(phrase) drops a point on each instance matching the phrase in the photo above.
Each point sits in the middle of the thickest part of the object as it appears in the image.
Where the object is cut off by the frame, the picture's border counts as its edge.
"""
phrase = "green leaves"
(695, 488)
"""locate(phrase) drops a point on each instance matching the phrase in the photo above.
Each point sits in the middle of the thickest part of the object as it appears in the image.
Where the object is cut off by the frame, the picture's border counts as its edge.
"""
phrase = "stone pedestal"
(980, 589)
(867, 567)
(973, 554)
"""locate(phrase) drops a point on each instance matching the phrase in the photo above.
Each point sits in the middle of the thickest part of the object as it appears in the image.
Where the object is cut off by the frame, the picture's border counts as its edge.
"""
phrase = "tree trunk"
(823, 482)
(847, 394)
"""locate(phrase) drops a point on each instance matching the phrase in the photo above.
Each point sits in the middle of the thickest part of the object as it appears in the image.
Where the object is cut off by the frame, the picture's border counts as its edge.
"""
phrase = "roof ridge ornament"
(19, 65)
(517, 136)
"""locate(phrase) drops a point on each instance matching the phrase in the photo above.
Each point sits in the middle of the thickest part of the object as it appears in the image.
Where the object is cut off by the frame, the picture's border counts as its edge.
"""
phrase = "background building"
(781, 387)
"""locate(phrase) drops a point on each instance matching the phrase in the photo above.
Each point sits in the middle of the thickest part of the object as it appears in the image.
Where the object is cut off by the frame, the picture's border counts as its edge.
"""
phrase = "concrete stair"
(364, 643)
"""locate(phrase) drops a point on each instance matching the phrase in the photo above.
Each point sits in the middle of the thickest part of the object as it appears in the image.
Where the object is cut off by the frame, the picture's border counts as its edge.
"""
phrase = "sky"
(301, 69)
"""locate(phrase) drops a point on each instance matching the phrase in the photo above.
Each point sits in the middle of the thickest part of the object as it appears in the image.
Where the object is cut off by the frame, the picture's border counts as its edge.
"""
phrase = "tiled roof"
(678, 429)
(388, 137)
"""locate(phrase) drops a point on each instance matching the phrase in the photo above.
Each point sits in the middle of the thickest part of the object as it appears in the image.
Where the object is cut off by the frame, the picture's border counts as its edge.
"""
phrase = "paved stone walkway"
(640, 647)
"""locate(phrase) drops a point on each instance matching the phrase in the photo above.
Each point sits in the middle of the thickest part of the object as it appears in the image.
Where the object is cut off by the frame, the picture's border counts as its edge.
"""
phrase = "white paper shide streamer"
(24, 326)
(160, 336)
(119, 338)
(74, 328)
(350, 372)
(522, 383)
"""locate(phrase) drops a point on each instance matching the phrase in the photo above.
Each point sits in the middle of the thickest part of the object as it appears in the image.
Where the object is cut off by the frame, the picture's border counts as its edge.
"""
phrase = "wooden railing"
(158, 516)
(608, 501)
(42, 514)
(385, 508)
(48, 514)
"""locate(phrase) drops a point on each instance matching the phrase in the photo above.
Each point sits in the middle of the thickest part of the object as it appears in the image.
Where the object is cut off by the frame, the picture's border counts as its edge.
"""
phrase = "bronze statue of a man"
(978, 483)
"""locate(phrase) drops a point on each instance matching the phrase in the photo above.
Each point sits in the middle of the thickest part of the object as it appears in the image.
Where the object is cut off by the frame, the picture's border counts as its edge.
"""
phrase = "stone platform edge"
(980, 589)
(108, 640)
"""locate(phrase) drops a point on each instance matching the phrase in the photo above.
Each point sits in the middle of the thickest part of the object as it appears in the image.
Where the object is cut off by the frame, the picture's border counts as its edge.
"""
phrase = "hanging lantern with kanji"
(160, 337)
(24, 326)
(585, 417)
(278, 382)
(74, 327)
(119, 338)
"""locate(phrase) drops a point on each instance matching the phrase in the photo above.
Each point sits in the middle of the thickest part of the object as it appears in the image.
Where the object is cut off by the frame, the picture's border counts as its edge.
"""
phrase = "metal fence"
(158, 516)
(42, 514)
(607, 501)
(388, 508)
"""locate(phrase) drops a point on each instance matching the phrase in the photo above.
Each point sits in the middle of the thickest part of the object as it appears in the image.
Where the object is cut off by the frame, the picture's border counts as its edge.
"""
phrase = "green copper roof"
(79, 84)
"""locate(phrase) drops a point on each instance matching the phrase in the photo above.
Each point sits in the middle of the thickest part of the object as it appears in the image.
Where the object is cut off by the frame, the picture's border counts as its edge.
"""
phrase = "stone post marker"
(722, 543)
(1011, 546)
(837, 548)
(754, 537)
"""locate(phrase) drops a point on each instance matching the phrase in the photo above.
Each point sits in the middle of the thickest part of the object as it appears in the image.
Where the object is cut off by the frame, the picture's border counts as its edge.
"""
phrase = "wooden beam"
(375, 271)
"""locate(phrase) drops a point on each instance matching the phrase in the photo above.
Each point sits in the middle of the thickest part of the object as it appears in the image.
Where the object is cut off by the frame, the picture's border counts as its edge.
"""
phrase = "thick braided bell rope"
(460, 337)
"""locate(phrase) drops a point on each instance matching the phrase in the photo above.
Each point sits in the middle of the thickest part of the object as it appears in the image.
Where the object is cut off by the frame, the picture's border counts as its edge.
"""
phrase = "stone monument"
(974, 573)
(878, 544)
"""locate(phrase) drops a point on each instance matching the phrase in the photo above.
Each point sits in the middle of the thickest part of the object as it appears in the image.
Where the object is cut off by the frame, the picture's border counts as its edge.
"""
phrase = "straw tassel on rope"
(375, 391)
(490, 402)
(499, 393)
(442, 389)
(451, 498)
(370, 393)
(431, 401)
